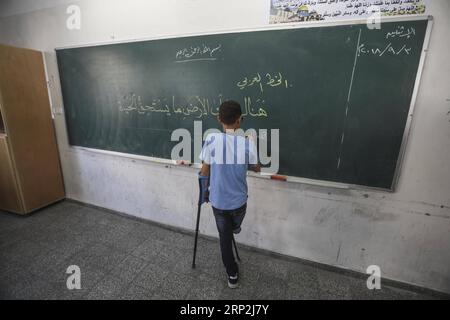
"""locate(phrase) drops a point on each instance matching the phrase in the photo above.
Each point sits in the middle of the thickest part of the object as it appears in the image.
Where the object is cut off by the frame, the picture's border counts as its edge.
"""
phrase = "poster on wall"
(285, 11)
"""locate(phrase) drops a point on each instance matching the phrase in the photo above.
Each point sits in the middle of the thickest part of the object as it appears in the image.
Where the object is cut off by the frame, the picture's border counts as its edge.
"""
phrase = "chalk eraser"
(279, 178)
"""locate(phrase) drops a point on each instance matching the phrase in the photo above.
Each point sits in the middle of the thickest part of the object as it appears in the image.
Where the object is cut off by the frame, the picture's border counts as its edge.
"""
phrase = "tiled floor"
(123, 258)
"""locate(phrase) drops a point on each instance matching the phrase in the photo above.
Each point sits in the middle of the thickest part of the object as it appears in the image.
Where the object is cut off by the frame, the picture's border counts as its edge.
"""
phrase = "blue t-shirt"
(228, 156)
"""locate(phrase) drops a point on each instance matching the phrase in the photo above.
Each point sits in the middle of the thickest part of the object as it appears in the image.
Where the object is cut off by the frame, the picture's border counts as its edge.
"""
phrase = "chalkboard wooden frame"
(413, 103)
(286, 27)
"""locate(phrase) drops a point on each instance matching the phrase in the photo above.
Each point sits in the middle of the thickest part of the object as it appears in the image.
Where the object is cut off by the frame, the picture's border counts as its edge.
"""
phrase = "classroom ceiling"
(14, 7)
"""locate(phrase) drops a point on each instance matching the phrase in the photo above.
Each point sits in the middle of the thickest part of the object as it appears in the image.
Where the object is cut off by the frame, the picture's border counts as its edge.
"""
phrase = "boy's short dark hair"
(229, 112)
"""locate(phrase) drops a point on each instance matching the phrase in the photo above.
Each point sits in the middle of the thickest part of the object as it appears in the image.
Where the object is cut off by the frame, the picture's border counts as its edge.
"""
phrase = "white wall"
(406, 233)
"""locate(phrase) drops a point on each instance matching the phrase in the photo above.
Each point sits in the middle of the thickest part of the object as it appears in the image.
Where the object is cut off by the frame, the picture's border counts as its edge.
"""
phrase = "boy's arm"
(254, 164)
(204, 174)
(205, 170)
(204, 183)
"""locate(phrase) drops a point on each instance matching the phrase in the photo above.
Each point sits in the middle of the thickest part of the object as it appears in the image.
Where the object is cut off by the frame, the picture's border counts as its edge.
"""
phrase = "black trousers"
(229, 222)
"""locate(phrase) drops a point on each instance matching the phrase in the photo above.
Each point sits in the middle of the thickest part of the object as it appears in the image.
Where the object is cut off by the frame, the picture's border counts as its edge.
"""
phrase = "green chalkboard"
(340, 95)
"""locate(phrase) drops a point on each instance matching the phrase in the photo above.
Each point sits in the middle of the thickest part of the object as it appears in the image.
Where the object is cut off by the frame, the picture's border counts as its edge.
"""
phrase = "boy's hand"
(255, 167)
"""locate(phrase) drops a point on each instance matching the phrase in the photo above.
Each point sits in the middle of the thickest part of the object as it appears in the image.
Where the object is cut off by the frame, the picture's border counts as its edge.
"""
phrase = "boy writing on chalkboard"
(226, 157)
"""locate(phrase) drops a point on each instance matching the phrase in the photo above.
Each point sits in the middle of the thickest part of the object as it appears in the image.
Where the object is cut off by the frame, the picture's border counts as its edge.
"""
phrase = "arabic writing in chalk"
(197, 53)
(388, 50)
(269, 79)
(391, 48)
(401, 32)
(195, 106)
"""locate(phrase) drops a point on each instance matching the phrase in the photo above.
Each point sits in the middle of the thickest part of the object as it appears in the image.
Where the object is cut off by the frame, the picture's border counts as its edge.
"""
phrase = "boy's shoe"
(233, 281)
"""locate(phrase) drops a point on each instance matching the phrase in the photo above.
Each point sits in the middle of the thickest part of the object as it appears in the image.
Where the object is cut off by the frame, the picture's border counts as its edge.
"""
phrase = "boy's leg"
(237, 217)
(225, 228)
